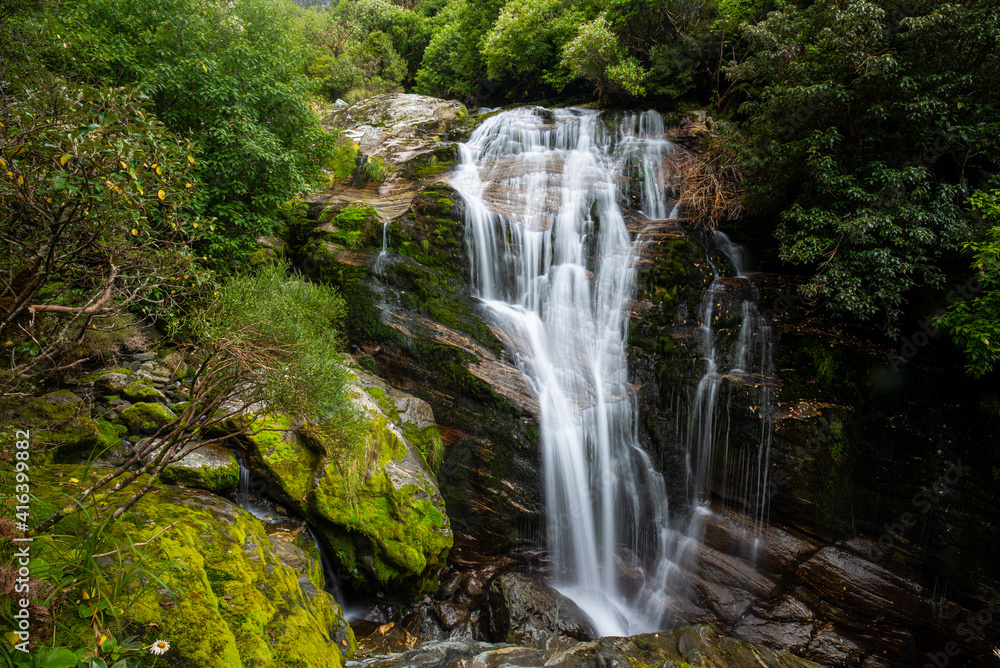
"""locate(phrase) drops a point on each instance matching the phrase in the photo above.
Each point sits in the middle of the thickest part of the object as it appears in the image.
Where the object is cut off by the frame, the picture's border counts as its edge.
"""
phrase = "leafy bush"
(228, 75)
(596, 55)
(99, 212)
(975, 323)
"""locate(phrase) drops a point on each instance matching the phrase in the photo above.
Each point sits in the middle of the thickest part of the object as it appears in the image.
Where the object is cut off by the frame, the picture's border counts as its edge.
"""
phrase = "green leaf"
(59, 657)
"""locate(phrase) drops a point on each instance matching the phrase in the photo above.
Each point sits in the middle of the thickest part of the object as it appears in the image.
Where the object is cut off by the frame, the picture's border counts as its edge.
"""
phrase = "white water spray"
(552, 259)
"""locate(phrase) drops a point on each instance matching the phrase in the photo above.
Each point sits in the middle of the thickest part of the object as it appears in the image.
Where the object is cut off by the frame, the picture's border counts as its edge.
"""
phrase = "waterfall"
(552, 260)
(740, 474)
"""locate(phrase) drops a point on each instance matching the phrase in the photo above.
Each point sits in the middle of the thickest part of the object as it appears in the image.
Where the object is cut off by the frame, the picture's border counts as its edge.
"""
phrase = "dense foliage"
(867, 124)
(228, 76)
(975, 323)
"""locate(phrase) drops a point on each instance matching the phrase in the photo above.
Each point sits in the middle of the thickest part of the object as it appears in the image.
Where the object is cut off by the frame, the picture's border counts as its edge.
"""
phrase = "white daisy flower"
(159, 647)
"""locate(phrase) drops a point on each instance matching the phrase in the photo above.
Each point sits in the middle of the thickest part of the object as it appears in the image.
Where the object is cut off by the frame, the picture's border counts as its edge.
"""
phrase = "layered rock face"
(411, 317)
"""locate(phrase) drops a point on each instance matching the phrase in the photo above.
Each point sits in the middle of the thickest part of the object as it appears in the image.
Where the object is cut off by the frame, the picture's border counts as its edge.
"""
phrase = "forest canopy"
(864, 133)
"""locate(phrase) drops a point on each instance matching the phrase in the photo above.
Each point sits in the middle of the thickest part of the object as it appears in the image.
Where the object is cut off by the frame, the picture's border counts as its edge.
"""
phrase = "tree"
(975, 323)
(523, 46)
(453, 65)
(98, 208)
(864, 129)
(229, 76)
(596, 55)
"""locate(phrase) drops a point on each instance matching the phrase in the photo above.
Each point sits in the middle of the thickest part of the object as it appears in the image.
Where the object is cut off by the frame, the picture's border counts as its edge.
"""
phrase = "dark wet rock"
(388, 638)
(423, 623)
(525, 610)
(381, 613)
(449, 585)
(451, 613)
(473, 592)
(695, 645)
(465, 629)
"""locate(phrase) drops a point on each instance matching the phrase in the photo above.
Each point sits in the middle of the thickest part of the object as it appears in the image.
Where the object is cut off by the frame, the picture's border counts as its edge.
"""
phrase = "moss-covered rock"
(269, 249)
(433, 230)
(146, 417)
(352, 225)
(375, 502)
(233, 599)
(211, 467)
(143, 392)
(60, 423)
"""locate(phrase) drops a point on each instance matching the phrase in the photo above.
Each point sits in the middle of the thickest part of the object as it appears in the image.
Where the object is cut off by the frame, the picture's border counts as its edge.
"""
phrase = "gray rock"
(112, 382)
(525, 610)
(144, 357)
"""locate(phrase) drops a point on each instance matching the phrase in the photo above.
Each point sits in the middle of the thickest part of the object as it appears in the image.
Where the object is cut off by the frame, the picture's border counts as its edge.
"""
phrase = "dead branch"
(78, 310)
(711, 186)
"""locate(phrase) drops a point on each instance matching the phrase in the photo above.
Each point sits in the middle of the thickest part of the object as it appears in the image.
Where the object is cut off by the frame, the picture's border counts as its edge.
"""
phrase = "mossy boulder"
(375, 502)
(211, 467)
(232, 598)
(146, 417)
(111, 381)
(142, 392)
(60, 422)
(351, 225)
(269, 249)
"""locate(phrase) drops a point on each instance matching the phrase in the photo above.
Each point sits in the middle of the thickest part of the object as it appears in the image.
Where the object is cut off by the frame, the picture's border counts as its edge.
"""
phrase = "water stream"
(554, 263)
(552, 260)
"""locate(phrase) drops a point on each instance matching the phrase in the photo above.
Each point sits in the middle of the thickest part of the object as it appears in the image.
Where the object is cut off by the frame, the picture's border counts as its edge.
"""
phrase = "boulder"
(62, 420)
(234, 597)
(451, 614)
(375, 502)
(525, 610)
(211, 467)
(146, 417)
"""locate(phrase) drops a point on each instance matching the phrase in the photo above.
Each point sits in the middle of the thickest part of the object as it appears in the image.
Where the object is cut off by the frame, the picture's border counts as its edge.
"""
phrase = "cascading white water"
(749, 362)
(552, 259)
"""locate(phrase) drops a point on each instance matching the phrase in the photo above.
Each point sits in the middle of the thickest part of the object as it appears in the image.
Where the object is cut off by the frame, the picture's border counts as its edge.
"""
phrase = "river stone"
(451, 614)
(525, 610)
(473, 592)
(701, 646)
(449, 585)
(112, 382)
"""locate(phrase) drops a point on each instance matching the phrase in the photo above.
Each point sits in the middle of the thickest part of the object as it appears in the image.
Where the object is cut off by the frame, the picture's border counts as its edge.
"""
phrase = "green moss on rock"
(146, 417)
(60, 421)
(211, 468)
(140, 391)
(232, 602)
(375, 504)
